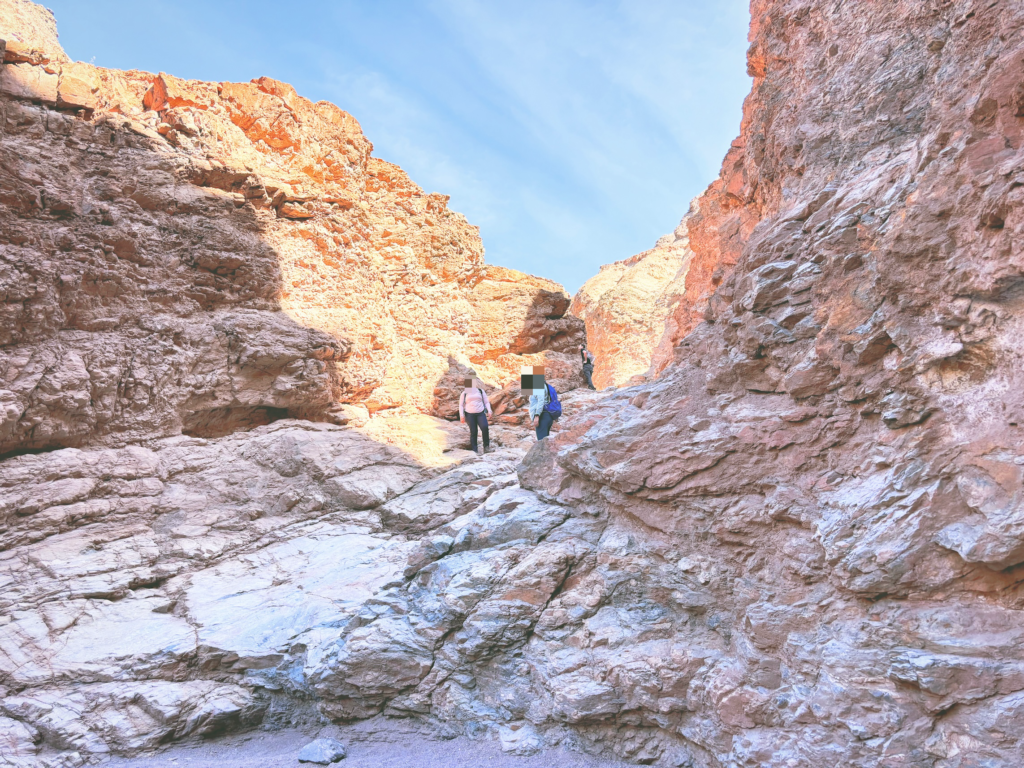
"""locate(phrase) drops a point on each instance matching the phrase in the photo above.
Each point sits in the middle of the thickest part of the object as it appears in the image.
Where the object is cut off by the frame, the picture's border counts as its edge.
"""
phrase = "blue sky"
(573, 132)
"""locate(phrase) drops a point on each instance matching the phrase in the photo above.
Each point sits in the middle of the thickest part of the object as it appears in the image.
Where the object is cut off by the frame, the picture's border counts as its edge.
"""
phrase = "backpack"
(552, 406)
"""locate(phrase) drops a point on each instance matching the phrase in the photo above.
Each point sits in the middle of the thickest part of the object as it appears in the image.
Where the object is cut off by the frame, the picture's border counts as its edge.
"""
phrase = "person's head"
(531, 379)
(582, 347)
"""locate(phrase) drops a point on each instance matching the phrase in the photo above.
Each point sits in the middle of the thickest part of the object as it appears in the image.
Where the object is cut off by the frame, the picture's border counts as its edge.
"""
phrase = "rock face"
(799, 547)
(201, 285)
(630, 307)
(814, 515)
(180, 256)
(196, 585)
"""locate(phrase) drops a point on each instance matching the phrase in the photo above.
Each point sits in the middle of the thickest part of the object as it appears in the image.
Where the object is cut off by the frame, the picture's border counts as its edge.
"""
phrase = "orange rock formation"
(235, 252)
(630, 306)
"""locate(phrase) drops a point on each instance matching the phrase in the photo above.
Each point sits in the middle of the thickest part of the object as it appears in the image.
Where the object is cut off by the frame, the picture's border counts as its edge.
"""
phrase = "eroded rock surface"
(181, 256)
(202, 285)
(799, 547)
(199, 585)
(629, 309)
(823, 492)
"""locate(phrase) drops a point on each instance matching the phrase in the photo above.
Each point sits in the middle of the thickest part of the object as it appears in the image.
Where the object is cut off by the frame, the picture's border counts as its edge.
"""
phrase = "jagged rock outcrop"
(518, 320)
(816, 510)
(629, 309)
(201, 257)
(194, 585)
(182, 264)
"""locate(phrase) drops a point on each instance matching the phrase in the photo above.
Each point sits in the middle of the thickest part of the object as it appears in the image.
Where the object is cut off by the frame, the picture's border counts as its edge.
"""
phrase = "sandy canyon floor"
(402, 749)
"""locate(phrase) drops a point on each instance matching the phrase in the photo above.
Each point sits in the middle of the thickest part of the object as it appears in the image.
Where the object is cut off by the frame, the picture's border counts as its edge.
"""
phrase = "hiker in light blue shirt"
(544, 405)
(537, 403)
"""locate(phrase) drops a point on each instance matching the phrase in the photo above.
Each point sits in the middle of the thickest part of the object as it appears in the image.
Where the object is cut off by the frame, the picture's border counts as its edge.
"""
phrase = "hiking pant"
(544, 424)
(588, 372)
(478, 420)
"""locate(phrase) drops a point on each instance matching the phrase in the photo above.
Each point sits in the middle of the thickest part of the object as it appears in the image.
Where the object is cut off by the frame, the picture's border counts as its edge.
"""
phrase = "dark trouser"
(544, 424)
(588, 371)
(478, 420)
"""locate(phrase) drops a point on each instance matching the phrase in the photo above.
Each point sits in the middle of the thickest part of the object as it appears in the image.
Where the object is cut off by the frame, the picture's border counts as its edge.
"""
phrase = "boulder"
(322, 751)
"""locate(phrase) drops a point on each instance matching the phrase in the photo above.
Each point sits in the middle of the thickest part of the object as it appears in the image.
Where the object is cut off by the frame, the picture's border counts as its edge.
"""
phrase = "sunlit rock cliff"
(198, 257)
(630, 308)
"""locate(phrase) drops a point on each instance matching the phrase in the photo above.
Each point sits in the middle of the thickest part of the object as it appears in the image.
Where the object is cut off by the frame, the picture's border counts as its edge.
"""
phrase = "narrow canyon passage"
(236, 503)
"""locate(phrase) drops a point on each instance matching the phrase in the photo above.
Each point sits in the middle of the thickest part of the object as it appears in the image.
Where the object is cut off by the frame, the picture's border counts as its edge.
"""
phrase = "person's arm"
(487, 402)
(462, 406)
(535, 407)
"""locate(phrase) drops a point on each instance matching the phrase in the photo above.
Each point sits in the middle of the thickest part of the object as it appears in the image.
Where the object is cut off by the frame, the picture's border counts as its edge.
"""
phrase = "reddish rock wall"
(827, 483)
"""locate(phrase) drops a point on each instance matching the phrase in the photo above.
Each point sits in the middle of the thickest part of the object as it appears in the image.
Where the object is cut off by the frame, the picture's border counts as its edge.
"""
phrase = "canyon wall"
(205, 289)
(813, 552)
(182, 256)
(800, 546)
(629, 309)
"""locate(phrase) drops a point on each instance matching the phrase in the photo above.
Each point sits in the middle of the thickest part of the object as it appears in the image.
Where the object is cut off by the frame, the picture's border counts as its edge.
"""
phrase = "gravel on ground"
(279, 749)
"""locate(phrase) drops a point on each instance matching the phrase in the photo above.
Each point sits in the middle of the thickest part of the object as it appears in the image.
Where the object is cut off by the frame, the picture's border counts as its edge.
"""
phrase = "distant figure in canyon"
(474, 407)
(544, 405)
(588, 365)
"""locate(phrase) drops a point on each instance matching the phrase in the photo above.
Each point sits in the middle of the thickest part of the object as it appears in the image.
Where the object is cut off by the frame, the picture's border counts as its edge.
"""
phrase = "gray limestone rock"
(322, 751)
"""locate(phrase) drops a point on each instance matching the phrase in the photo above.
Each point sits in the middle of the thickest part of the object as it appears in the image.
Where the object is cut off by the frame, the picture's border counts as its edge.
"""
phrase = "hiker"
(588, 365)
(474, 407)
(544, 405)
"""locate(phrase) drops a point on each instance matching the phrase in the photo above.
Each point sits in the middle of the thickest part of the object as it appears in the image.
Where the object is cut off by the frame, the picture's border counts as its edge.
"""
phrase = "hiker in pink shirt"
(474, 407)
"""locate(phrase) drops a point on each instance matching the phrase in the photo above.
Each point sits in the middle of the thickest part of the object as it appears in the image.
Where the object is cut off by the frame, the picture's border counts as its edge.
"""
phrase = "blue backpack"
(553, 406)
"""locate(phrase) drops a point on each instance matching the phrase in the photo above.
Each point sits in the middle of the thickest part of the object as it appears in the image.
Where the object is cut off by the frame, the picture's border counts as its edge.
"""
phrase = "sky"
(574, 133)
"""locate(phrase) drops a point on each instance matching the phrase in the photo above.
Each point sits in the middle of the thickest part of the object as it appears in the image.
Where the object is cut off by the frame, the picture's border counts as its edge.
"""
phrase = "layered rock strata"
(630, 307)
(181, 256)
(816, 511)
